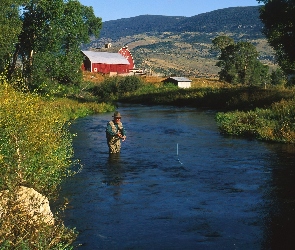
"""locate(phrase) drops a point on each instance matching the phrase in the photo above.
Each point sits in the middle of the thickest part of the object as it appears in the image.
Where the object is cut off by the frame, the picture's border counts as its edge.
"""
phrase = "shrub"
(35, 152)
(278, 77)
(276, 123)
(114, 87)
(107, 89)
(129, 84)
(18, 230)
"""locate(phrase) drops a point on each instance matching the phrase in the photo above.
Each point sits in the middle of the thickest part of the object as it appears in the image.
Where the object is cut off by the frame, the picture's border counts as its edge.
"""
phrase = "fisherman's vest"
(114, 128)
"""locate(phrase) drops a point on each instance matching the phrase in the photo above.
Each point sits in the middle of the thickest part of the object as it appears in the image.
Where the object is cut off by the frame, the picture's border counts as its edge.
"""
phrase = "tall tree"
(221, 42)
(52, 33)
(239, 63)
(10, 28)
(279, 28)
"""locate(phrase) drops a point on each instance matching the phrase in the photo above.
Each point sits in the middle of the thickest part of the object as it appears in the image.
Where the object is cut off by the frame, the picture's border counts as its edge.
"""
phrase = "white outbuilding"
(181, 82)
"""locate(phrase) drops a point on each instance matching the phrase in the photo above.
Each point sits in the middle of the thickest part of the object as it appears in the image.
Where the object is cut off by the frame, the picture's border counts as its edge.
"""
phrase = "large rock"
(28, 201)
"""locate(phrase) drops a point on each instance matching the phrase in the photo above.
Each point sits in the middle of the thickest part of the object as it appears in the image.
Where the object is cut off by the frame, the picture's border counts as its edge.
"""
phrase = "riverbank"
(35, 152)
(261, 112)
(266, 114)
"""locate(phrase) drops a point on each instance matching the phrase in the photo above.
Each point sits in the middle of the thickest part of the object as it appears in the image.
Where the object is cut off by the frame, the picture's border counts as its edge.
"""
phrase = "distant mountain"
(230, 20)
(177, 45)
(138, 25)
(236, 19)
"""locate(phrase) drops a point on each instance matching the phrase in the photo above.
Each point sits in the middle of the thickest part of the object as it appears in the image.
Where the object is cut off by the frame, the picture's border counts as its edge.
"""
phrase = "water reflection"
(280, 221)
(114, 173)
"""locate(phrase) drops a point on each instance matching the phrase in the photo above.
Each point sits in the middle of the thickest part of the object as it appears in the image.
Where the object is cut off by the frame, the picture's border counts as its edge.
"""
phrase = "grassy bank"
(276, 123)
(204, 93)
(218, 98)
(256, 112)
(36, 152)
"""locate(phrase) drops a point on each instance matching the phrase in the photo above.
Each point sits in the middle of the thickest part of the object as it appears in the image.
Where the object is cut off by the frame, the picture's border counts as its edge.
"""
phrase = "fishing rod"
(177, 154)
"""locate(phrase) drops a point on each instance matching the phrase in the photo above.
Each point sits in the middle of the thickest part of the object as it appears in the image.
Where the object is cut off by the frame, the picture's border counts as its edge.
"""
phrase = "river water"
(179, 184)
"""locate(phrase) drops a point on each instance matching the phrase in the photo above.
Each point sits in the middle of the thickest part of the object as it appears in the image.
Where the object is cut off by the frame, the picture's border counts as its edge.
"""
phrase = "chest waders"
(114, 141)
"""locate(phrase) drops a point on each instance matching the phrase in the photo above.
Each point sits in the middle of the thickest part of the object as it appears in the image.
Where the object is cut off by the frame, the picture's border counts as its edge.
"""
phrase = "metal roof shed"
(105, 62)
(181, 82)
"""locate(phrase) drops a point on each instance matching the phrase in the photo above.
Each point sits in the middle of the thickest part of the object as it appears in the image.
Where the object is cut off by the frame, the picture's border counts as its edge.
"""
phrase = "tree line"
(279, 29)
(239, 61)
(239, 64)
(40, 40)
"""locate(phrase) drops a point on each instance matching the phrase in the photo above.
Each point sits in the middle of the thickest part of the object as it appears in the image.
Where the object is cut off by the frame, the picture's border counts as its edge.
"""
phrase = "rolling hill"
(177, 45)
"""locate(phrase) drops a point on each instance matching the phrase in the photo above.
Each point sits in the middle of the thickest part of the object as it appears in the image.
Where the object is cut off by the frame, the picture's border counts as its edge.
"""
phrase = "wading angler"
(115, 132)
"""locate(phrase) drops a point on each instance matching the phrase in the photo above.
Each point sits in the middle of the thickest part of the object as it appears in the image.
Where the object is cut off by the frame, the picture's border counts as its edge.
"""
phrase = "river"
(179, 184)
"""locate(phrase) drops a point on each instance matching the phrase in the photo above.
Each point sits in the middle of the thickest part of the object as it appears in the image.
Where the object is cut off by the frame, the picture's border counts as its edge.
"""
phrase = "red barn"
(127, 54)
(105, 62)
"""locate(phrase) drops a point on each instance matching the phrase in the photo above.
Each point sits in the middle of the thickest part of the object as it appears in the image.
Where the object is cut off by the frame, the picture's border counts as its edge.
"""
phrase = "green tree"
(129, 84)
(239, 63)
(49, 44)
(278, 77)
(10, 28)
(279, 28)
(221, 42)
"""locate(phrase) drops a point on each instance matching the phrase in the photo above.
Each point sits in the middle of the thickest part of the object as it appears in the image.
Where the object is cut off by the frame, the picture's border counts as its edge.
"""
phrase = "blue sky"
(116, 9)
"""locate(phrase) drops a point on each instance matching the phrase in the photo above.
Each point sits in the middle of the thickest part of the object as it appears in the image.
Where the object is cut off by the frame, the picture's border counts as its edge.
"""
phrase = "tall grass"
(208, 95)
(276, 123)
(36, 152)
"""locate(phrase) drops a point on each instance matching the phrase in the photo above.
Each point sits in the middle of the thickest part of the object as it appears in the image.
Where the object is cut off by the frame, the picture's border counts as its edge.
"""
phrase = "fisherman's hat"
(117, 115)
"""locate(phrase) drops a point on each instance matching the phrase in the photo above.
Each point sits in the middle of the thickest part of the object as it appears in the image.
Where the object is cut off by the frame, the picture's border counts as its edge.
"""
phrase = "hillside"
(138, 25)
(236, 19)
(181, 45)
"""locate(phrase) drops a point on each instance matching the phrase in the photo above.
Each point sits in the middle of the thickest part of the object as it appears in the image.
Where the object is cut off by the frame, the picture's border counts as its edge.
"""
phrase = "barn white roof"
(105, 57)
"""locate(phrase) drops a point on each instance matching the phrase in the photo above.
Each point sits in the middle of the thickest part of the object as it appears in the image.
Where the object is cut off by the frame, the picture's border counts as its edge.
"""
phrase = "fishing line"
(177, 154)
